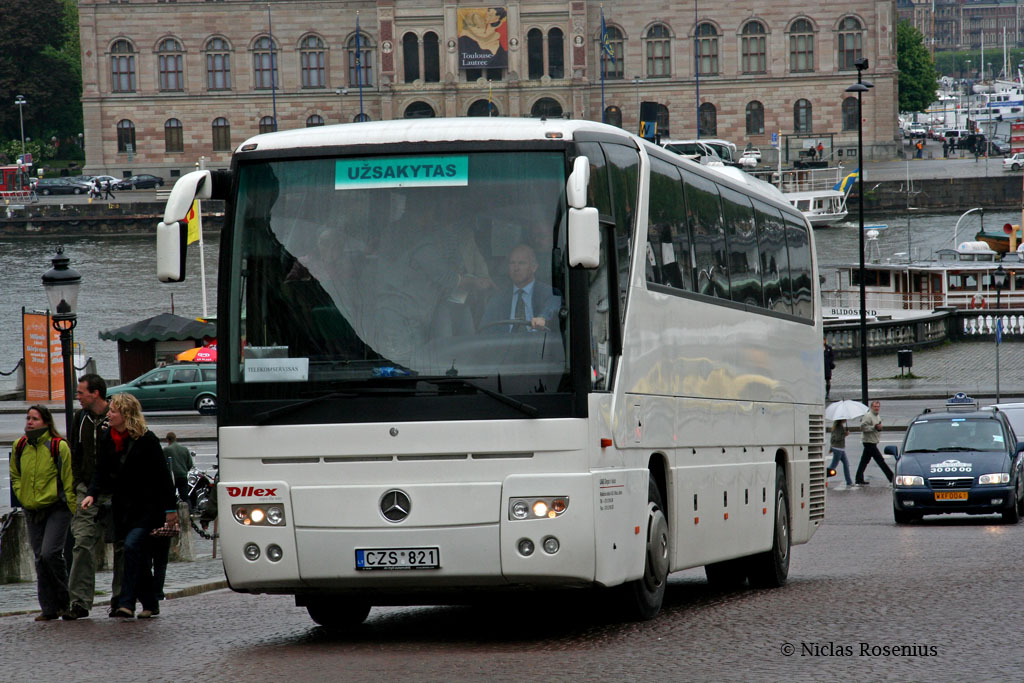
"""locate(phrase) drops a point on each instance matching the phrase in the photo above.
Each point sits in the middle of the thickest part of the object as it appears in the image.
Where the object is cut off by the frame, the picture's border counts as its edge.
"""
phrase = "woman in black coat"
(131, 465)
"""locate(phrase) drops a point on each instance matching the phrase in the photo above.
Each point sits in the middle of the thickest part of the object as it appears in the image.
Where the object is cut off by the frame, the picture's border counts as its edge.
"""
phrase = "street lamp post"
(61, 284)
(861, 87)
(999, 281)
(21, 102)
(636, 82)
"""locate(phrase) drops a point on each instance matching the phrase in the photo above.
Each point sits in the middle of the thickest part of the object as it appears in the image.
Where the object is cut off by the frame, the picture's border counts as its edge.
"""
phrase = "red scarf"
(120, 438)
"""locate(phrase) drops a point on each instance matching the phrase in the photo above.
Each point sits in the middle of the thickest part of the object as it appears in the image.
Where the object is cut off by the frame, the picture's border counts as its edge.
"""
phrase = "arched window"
(173, 138)
(360, 61)
(267, 125)
(546, 106)
(221, 135)
(264, 64)
(708, 120)
(659, 52)
(802, 117)
(851, 113)
(662, 119)
(753, 48)
(613, 116)
(313, 58)
(534, 54)
(801, 46)
(556, 53)
(431, 58)
(411, 57)
(358, 118)
(707, 50)
(850, 43)
(481, 108)
(218, 64)
(419, 110)
(755, 118)
(126, 137)
(122, 67)
(169, 58)
(314, 121)
(614, 63)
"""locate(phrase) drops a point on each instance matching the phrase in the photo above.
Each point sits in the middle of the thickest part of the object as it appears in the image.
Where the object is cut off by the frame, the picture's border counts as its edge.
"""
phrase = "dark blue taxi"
(959, 460)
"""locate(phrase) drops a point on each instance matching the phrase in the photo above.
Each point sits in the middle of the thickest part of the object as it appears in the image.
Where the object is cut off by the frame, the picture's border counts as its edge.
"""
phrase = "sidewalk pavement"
(183, 579)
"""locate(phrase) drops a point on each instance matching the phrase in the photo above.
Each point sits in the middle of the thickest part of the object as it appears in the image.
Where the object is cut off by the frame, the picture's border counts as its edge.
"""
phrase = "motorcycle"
(202, 496)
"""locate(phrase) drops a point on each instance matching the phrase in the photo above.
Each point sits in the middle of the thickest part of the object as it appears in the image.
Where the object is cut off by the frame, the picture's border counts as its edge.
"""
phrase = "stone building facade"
(168, 82)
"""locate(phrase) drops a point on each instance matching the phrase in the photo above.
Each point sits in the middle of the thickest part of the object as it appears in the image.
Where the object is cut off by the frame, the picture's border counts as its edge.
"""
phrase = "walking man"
(86, 525)
(180, 461)
(830, 365)
(871, 428)
(106, 189)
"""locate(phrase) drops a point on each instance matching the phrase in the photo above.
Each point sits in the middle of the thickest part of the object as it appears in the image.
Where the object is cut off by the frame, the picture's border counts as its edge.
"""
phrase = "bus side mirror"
(172, 231)
(579, 179)
(584, 237)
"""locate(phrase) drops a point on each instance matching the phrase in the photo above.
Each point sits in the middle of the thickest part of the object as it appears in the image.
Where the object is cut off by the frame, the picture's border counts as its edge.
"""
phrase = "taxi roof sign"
(961, 402)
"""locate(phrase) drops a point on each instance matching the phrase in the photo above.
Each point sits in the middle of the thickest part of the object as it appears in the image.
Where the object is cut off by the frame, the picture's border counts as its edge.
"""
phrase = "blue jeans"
(137, 582)
(838, 454)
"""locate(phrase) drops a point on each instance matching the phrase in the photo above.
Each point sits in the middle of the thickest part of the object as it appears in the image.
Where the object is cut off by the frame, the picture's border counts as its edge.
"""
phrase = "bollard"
(17, 563)
(182, 547)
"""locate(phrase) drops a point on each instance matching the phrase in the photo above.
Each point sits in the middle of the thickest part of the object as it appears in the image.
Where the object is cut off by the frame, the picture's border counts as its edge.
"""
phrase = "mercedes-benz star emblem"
(395, 505)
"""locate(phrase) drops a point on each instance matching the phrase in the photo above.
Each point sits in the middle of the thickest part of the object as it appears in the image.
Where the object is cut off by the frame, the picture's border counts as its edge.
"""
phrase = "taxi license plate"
(398, 558)
(951, 495)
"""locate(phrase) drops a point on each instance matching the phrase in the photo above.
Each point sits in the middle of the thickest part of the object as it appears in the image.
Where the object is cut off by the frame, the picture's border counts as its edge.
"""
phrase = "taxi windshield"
(956, 434)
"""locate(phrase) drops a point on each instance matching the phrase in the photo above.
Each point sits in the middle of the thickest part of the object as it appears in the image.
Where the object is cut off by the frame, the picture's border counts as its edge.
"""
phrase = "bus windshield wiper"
(268, 415)
(524, 408)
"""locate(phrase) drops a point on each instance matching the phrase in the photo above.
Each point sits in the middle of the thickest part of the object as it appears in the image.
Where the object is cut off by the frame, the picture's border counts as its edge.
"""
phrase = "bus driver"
(530, 301)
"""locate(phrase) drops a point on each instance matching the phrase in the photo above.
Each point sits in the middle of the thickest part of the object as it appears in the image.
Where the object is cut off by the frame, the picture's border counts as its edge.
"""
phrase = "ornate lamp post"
(999, 279)
(61, 284)
(861, 87)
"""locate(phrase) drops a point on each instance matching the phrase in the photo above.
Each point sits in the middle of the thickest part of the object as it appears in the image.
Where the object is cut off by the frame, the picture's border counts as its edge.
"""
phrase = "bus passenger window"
(771, 239)
(668, 240)
(744, 259)
(704, 215)
(799, 248)
(623, 170)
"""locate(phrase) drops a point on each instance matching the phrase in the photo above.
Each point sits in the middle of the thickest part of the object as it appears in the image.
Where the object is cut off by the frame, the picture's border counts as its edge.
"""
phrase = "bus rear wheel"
(644, 596)
(338, 613)
(770, 569)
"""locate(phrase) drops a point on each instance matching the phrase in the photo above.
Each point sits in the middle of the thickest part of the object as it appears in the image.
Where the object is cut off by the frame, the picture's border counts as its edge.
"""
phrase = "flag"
(846, 183)
(193, 222)
(606, 47)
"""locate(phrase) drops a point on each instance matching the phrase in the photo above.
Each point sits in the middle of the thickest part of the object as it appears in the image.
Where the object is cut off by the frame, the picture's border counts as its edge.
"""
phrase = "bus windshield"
(352, 272)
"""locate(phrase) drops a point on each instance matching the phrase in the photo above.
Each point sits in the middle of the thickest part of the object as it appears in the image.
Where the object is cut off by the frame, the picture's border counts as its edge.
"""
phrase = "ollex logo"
(235, 491)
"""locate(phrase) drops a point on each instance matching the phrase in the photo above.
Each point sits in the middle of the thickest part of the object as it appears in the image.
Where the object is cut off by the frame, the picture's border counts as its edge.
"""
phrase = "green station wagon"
(174, 387)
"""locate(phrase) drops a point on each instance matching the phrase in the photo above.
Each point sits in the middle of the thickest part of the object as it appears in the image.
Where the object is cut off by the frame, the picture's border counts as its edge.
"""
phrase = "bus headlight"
(258, 515)
(908, 480)
(539, 507)
(998, 478)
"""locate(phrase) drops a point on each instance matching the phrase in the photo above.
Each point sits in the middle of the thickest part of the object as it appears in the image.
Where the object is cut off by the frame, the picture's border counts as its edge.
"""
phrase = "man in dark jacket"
(830, 365)
(86, 525)
(180, 461)
(531, 303)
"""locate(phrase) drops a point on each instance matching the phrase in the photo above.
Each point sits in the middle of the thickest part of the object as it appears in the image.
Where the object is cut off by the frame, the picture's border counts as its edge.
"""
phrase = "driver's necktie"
(520, 311)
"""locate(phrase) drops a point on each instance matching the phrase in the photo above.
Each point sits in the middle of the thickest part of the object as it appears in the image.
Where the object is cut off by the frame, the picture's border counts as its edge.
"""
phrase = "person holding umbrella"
(839, 412)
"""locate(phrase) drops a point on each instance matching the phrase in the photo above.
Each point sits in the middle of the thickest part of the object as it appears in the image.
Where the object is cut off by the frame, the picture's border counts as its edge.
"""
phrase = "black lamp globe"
(61, 283)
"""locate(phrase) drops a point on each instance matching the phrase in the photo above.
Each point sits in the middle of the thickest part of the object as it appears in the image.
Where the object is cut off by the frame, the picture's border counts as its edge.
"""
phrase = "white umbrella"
(845, 410)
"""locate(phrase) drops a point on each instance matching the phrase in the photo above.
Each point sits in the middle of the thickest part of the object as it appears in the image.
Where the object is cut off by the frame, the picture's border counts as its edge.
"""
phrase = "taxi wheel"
(1011, 515)
(903, 517)
(338, 613)
(770, 569)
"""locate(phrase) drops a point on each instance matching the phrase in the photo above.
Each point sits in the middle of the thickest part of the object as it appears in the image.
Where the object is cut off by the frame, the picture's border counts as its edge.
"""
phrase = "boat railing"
(802, 179)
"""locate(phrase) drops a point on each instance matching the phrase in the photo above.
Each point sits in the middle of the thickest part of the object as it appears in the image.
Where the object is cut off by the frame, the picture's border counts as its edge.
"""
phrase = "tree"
(918, 77)
(40, 60)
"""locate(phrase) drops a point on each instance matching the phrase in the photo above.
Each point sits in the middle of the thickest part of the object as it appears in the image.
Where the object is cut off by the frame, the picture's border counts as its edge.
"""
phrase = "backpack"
(19, 448)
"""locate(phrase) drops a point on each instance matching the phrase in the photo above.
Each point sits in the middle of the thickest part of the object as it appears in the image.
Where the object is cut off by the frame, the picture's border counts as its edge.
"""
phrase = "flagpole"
(359, 69)
(603, 39)
(273, 67)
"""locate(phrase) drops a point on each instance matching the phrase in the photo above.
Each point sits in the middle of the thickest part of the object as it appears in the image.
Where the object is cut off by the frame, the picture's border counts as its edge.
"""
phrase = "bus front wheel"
(338, 613)
(644, 596)
(770, 569)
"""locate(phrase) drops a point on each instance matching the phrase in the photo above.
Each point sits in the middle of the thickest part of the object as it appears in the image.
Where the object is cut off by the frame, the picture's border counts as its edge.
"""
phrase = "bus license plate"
(398, 558)
(951, 495)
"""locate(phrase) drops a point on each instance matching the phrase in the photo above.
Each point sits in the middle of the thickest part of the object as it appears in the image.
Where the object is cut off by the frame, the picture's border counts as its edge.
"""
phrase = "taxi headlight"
(909, 480)
(998, 478)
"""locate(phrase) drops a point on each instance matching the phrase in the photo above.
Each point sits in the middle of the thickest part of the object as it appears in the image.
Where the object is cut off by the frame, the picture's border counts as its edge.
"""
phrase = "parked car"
(48, 186)
(751, 157)
(181, 386)
(998, 148)
(142, 181)
(915, 130)
(1014, 162)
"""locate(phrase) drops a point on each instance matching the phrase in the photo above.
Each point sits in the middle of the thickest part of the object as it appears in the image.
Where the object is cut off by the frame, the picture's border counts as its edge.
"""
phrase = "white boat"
(898, 287)
(818, 193)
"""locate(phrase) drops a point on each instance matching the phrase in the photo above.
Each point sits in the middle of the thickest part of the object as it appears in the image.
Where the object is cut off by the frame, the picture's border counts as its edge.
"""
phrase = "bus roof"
(430, 130)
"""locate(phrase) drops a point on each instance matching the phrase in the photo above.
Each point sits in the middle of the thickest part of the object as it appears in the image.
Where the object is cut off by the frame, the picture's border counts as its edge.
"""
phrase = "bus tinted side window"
(704, 215)
(799, 246)
(774, 258)
(599, 197)
(668, 240)
(623, 172)
(744, 271)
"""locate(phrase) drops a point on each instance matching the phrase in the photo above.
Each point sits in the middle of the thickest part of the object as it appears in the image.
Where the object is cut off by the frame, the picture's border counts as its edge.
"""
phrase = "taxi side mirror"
(1020, 446)
(893, 451)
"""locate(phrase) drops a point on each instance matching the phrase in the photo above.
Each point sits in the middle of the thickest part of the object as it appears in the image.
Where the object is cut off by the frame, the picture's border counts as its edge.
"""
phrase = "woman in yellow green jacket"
(48, 496)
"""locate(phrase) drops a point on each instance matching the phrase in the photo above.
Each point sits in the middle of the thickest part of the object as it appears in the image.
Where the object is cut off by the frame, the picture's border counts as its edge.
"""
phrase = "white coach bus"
(473, 355)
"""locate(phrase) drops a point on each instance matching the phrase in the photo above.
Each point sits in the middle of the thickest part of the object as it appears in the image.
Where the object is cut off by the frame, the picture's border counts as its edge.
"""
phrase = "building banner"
(44, 364)
(483, 37)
